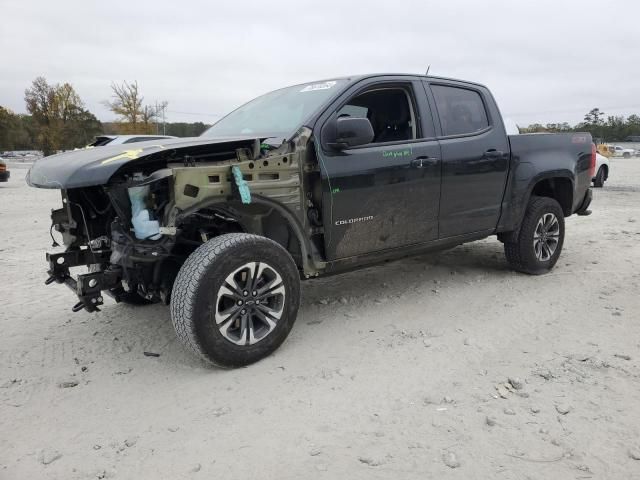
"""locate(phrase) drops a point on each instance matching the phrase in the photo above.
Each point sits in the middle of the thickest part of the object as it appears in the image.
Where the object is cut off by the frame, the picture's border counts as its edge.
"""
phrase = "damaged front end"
(101, 233)
(132, 217)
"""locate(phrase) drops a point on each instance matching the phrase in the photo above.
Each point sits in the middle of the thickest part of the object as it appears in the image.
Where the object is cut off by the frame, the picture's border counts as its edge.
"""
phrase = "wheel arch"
(556, 185)
(270, 219)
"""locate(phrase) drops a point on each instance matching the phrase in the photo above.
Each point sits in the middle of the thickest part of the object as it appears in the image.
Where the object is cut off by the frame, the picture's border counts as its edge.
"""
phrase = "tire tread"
(188, 280)
(513, 250)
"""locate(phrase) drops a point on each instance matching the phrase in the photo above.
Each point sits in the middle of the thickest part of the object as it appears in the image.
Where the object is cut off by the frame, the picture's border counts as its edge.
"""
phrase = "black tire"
(598, 182)
(521, 253)
(626, 155)
(197, 296)
(129, 297)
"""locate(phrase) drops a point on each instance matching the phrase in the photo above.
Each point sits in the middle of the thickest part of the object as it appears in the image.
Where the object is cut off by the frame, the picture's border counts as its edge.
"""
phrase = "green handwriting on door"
(404, 152)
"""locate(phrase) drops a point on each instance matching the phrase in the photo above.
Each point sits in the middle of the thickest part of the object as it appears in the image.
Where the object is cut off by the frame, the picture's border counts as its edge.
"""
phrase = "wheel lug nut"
(245, 293)
(243, 311)
(255, 293)
(240, 302)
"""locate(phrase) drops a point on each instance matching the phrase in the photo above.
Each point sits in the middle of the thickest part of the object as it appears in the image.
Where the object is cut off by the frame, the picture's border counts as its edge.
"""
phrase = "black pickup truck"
(304, 181)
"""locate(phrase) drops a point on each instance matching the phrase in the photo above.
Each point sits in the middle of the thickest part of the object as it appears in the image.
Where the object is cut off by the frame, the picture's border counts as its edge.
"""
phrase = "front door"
(385, 194)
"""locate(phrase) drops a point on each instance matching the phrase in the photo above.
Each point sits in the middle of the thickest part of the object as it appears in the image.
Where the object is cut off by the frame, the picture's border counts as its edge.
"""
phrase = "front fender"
(312, 261)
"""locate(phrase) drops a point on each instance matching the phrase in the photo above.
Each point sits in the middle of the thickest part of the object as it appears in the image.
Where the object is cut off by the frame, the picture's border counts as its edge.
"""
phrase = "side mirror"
(351, 132)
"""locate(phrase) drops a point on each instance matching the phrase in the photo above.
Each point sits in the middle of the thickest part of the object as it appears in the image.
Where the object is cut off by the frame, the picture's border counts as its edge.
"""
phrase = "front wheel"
(539, 242)
(235, 299)
(626, 155)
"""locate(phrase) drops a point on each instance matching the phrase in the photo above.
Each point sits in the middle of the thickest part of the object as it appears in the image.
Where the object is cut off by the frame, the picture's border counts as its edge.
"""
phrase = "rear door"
(475, 157)
(384, 194)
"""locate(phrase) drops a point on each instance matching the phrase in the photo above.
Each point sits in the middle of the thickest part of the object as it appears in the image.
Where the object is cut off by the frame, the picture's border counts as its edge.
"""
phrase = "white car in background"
(102, 140)
(619, 151)
(602, 171)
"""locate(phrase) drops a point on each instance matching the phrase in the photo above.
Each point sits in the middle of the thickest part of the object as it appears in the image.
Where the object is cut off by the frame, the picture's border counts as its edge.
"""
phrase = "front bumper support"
(88, 286)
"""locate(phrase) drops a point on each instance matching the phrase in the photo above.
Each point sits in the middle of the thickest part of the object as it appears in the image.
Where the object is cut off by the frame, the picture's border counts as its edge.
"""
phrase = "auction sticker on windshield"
(319, 86)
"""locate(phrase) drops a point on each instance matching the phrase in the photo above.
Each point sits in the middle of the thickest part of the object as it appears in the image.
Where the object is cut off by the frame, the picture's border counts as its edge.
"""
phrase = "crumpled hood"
(95, 165)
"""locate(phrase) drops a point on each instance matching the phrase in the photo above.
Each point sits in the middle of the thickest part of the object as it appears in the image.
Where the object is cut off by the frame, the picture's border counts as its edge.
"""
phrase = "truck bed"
(536, 156)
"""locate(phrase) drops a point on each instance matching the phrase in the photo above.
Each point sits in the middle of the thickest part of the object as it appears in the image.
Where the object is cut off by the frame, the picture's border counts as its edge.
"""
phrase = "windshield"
(276, 114)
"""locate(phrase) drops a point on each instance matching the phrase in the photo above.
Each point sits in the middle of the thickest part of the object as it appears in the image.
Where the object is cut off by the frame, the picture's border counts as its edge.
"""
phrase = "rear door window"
(461, 110)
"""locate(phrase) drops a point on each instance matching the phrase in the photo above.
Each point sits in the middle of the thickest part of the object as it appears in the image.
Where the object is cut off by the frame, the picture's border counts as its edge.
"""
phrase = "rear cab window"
(461, 110)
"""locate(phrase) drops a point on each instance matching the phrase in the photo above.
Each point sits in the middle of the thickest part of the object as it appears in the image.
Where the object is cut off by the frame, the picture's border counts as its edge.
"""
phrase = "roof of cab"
(430, 77)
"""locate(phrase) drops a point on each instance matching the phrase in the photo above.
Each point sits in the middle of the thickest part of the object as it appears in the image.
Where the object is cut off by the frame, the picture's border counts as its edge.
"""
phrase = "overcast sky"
(545, 61)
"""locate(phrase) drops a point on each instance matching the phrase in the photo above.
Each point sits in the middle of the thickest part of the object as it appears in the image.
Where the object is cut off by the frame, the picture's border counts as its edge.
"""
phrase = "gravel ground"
(442, 364)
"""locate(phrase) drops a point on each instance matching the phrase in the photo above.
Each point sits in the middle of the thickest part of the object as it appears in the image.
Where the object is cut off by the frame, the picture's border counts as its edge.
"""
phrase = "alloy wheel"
(546, 237)
(249, 303)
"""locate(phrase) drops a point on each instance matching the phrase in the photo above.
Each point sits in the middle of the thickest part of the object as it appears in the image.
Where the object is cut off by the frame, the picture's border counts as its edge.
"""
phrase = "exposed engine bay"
(136, 230)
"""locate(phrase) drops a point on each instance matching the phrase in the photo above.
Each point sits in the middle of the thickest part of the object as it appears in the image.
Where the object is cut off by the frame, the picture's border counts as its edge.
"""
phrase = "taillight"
(592, 165)
(3, 167)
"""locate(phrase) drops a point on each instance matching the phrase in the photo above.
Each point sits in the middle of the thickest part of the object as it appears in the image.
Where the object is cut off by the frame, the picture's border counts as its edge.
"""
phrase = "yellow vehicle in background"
(605, 149)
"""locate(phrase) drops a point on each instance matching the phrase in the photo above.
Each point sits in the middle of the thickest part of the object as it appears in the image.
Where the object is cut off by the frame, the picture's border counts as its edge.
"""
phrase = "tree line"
(58, 120)
(606, 128)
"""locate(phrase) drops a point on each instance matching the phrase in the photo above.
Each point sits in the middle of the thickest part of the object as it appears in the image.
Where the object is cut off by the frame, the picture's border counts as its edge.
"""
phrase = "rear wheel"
(600, 178)
(539, 242)
(626, 155)
(235, 299)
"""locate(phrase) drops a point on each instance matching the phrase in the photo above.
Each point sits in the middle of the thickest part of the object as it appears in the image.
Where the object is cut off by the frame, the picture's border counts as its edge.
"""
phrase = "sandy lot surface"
(396, 371)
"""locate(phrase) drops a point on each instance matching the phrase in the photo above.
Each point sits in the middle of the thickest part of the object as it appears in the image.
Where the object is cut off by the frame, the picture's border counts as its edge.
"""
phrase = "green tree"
(42, 105)
(80, 129)
(16, 131)
(133, 116)
(8, 126)
(594, 117)
(58, 114)
(633, 121)
(183, 129)
(533, 128)
(24, 137)
(615, 128)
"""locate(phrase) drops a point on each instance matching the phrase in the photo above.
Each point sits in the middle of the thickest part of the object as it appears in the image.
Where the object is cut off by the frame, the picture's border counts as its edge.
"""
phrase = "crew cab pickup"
(309, 180)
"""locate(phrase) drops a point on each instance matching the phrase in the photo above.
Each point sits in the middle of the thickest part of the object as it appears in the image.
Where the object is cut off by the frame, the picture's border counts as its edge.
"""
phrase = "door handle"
(493, 154)
(423, 161)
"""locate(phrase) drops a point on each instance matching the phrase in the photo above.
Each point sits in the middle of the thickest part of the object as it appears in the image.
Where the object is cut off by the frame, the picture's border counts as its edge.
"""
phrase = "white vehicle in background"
(619, 151)
(602, 171)
(102, 140)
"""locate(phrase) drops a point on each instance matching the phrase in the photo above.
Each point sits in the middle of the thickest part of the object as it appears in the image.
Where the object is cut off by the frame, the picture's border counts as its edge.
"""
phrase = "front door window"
(388, 109)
